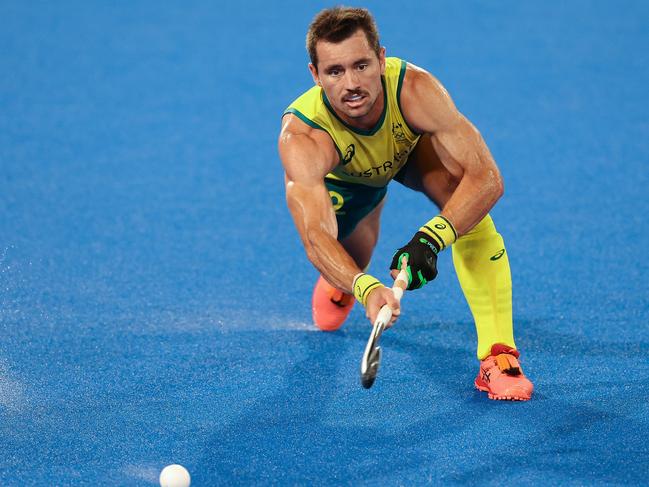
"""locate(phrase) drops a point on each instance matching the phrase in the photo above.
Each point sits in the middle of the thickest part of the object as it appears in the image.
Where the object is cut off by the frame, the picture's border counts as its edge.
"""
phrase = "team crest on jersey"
(397, 132)
(349, 154)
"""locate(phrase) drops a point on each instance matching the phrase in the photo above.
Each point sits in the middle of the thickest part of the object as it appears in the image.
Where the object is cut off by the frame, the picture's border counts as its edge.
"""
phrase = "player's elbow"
(310, 248)
(492, 183)
(311, 239)
(316, 240)
(311, 253)
(498, 185)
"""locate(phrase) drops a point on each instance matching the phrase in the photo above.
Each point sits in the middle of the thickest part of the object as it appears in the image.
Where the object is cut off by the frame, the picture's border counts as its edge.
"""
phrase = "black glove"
(421, 253)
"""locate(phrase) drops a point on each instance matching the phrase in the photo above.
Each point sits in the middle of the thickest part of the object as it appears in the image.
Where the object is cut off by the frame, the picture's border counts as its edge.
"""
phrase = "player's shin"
(482, 268)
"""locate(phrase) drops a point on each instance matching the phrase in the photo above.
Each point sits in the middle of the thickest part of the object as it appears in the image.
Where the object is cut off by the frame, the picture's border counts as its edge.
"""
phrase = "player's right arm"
(308, 155)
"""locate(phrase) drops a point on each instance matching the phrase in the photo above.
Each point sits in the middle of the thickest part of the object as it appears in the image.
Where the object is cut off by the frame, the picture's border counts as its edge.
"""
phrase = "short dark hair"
(339, 23)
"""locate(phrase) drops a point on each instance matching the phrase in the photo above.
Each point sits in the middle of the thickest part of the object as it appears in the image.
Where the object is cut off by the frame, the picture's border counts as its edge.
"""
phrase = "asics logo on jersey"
(349, 154)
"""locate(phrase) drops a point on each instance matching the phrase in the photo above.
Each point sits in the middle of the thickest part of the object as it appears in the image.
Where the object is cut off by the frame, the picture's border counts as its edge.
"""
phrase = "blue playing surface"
(155, 297)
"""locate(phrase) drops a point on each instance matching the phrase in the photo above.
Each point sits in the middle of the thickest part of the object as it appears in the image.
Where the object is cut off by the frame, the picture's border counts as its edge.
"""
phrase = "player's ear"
(314, 73)
(382, 59)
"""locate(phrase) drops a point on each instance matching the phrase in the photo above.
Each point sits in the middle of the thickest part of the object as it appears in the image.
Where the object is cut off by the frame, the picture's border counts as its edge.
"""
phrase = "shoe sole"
(496, 397)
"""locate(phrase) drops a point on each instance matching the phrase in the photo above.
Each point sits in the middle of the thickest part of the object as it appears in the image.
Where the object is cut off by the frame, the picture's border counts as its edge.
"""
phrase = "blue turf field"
(154, 296)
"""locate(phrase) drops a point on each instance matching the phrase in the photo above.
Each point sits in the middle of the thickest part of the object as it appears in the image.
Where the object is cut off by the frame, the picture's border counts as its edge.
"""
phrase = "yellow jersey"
(368, 157)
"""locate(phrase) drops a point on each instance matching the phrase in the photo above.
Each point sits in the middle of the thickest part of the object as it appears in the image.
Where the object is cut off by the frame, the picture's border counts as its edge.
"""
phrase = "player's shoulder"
(298, 135)
(425, 103)
(418, 80)
(293, 123)
(308, 106)
(394, 64)
(306, 152)
(305, 117)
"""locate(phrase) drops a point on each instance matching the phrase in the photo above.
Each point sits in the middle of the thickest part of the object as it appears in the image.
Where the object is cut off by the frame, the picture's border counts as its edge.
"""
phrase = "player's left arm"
(428, 108)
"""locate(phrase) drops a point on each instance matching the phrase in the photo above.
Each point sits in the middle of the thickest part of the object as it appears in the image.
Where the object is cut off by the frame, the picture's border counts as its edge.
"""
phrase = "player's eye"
(335, 72)
(362, 67)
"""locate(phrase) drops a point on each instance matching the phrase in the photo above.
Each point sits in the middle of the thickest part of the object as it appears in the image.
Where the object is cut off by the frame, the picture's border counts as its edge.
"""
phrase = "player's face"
(350, 74)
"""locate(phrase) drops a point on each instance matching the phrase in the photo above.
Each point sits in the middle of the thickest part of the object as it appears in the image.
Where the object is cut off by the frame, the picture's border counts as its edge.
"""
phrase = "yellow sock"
(482, 267)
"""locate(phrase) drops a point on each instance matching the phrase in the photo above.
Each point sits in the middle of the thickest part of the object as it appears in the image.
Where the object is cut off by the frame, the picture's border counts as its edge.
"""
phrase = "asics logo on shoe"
(485, 376)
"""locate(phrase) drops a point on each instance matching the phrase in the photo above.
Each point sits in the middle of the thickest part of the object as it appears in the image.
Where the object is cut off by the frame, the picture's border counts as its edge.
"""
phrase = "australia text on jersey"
(382, 169)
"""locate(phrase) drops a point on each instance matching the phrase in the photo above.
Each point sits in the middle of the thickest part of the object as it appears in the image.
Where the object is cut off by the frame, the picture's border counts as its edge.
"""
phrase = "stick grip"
(384, 316)
(400, 284)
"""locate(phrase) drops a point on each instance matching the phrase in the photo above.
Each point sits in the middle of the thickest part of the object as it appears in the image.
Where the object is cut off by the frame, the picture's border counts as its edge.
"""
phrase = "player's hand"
(421, 253)
(375, 301)
(369, 291)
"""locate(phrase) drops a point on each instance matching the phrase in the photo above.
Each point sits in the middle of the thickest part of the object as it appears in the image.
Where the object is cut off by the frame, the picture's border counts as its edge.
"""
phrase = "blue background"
(155, 297)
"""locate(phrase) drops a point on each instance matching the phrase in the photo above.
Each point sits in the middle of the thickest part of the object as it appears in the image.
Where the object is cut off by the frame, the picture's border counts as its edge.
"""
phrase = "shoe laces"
(506, 359)
(508, 364)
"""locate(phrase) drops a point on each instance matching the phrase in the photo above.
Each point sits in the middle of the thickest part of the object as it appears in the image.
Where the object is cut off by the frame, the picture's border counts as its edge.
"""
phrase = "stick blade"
(371, 368)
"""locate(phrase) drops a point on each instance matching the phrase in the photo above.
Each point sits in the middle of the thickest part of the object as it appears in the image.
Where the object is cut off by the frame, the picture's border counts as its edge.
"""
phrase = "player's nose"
(352, 81)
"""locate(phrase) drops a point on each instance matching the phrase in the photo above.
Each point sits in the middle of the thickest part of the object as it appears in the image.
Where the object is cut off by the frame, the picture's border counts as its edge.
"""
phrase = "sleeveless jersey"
(368, 157)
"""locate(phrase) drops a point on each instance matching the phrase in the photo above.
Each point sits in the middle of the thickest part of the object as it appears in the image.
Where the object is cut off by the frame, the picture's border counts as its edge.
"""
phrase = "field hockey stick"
(372, 356)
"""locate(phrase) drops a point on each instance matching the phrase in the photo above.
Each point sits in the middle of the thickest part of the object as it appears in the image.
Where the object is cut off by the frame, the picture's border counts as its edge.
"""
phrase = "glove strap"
(363, 285)
(441, 231)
